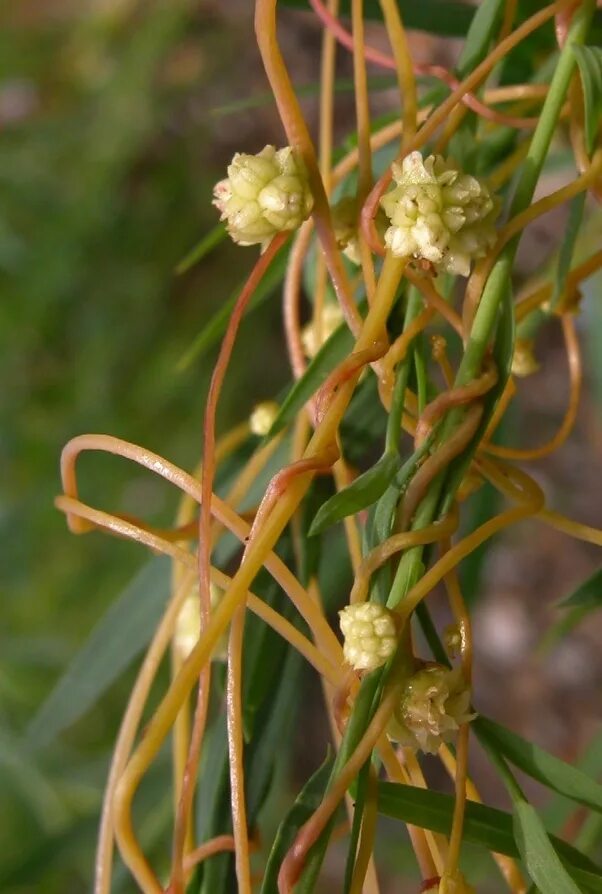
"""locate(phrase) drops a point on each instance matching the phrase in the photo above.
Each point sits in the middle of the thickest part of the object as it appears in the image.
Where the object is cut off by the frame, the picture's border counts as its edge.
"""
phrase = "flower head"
(263, 194)
(331, 319)
(370, 635)
(434, 704)
(438, 214)
(188, 625)
(262, 418)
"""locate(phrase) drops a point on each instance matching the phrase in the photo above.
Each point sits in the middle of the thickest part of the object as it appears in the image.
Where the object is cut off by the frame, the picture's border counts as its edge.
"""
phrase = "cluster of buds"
(370, 635)
(313, 337)
(263, 195)
(188, 625)
(438, 214)
(263, 417)
(435, 702)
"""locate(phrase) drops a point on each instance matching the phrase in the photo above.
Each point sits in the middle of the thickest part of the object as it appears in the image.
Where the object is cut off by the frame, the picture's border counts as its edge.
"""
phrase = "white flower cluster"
(370, 635)
(263, 195)
(434, 704)
(188, 625)
(438, 214)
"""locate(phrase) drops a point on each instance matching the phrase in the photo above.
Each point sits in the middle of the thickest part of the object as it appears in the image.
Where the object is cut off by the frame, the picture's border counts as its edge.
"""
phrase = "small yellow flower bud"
(332, 317)
(263, 195)
(434, 704)
(370, 635)
(188, 625)
(438, 214)
(452, 637)
(523, 360)
(262, 418)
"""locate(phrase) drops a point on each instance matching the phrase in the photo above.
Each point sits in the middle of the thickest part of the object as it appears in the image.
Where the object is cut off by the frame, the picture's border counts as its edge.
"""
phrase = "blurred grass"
(105, 183)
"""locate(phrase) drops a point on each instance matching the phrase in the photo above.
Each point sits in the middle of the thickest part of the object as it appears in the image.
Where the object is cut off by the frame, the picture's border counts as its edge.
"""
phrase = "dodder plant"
(414, 349)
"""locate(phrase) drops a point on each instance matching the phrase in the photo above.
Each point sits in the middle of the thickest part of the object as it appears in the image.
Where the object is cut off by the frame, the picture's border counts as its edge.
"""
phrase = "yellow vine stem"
(258, 554)
(534, 299)
(518, 223)
(397, 352)
(98, 519)
(462, 620)
(375, 559)
(298, 137)
(531, 500)
(573, 354)
(258, 548)
(507, 866)
(185, 515)
(433, 299)
(507, 479)
(507, 168)
(327, 75)
(405, 70)
(423, 841)
(367, 834)
(362, 116)
(439, 116)
(438, 841)
(292, 865)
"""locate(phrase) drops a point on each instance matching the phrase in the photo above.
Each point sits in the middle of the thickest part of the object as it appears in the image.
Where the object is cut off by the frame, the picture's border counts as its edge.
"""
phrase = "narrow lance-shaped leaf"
(364, 491)
(120, 635)
(486, 826)
(206, 245)
(589, 60)
(307, 801)
(540, 765)
(543, 863)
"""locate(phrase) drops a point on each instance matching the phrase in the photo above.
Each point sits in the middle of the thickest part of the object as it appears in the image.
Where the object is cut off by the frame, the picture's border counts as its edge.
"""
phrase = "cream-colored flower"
(370, 635)
(524, 362)
(434, 704)
(263, 194)
(188, 625)
(438, 214)
(262, 418)
(345, 223)
(331, 319)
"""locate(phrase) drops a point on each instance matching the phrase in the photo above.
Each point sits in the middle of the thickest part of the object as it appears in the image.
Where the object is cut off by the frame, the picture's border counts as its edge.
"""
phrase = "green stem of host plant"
(486, 315)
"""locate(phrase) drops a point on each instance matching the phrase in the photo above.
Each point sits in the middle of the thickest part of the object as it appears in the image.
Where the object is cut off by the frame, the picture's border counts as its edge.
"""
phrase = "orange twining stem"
(299, 138)
(454, 398)
(432, 298)
(439, 460)
(435, 71)
(439, 530)
(343, 372)
(541, 294)
(442, 111)
(293, 863)
(397, 352)
(439, 352)
(573, 354)
(190, 486)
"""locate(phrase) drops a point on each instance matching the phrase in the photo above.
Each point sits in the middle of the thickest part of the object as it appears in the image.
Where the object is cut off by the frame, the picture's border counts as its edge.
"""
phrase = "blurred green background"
(114, 126)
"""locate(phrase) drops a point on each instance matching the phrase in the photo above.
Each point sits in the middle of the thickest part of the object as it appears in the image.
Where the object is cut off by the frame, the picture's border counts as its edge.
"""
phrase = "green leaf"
(589, 60)
(365, 490)
(483, 825)
(587, 595)
(332, 352)
(435, 16)
(215, 328)
(543, 863)
(567, 248)
(202, 249)
(479, 36)
(120, 635)
(539, 764)
(307, 801)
